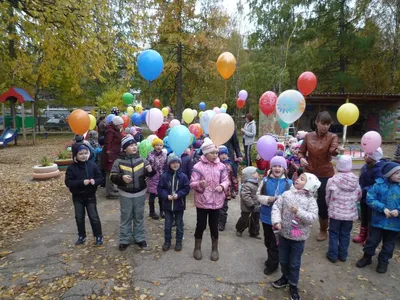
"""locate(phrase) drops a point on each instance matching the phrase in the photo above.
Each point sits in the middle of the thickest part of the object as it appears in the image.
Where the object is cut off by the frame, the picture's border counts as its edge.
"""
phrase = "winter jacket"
(249, 133)
(342, 194)
(157, 161)
(368, 175)
(215, 174)
(132, 165)
(320, 150)
(234, 184)
(171, 183)
(112, 146)
(270, 187)
(186, 165)
(248, 195)
(102, 128)
(233, 147)
(384, 194)
(307, 213)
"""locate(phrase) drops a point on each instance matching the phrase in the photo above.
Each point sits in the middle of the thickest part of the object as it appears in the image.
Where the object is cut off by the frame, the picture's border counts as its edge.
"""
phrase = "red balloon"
(157, 103)
(240, 103)
(196, 130)
(306, 83)
(126, 121)
(267, 102)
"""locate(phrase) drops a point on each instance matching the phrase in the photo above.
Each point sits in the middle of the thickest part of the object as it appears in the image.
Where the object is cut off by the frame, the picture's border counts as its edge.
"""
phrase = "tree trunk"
(395, 58)
(342, 62)
(179, 98)
(11, 31)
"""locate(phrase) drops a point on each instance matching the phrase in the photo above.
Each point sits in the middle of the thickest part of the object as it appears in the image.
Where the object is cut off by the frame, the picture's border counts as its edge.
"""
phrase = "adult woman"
(249, 134)
(320, 145)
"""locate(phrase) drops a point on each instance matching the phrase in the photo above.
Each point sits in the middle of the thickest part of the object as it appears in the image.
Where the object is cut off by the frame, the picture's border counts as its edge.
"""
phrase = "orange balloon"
(79, 121)
(226, 65)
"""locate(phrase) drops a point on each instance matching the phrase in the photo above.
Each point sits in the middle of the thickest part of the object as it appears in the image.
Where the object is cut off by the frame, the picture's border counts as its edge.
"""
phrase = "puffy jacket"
(234, 184)
(368, 175)
(342, 194)
(157, 161)
(215, 174)
(249, 133)
(384, 194)
(112, 146)
(248, 196)
(171, 183)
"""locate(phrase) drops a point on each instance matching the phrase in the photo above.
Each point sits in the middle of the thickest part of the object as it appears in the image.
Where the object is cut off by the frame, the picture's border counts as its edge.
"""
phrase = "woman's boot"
(197, 249)
(323, 230)
(214, 249)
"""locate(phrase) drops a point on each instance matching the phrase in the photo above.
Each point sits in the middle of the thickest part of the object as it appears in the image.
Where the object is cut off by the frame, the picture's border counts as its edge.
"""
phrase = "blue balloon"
(150, 64)
(179, 139)
(143, 116)
(202, 106)
(109, 118)
(136, 118)
(222, 110)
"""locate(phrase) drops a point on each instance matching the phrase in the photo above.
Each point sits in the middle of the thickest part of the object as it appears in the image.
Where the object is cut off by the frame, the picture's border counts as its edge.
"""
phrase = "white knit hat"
(313, 183)
(117, 120)
(208, 146)
(344, 163)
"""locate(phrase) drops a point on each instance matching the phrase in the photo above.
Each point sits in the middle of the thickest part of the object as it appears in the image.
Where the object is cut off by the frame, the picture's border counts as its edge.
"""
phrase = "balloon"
(126, 121)
(79, 121)
(145, 148)
(217, 110)
(221, 128)
(143, 115)
(290, 106)
(202, 106)
(165, 111)
(200, 114)
(205, 120)
(128, 98)
(187, 116)
(174, 123)
(243, 95)
(157, 103)
(371, 141)
(179, 139)
(92, 122)
(240, 103)
(151, 137)
(306, 83)
(169, 109)
(196, 130)
(283, 124)
(109, 118)
(224, 106)
(154, 119)
(130, 110)
(267, 147)
(139, 108)
(222, 110)
(133, 130)
(348, 114)
(136, 118)
(194, 113)
(267, 102)
(150, 64)
(226, 65)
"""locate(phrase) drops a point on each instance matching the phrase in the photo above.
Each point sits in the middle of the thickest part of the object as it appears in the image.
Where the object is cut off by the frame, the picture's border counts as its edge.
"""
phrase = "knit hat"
(222, 149)
(388, 169)
(127, 141)
(281, 146)
(292, 140)
(278, 161)
(82, 147)
(157, 141)
(247, 173)
(297, 146)
(208, 146)
(312, 183)
(301, 134)
(396, 155)
(377, 155)
(344, 163)
(93, 134)
(117, 120)
(172, 158)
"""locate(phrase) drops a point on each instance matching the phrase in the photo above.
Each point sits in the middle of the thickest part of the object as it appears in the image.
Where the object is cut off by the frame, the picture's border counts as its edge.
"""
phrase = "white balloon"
(194, 113)
(173, 123)
(151, 137)
(154, 119)
(290, 106)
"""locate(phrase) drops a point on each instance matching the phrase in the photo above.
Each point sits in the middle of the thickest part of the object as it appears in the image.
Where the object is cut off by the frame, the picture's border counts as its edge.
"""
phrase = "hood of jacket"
(205, 160)
(346, 181)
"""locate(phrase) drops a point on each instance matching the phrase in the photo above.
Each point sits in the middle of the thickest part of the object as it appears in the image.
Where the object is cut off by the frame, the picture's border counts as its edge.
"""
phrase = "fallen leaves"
(362, 278)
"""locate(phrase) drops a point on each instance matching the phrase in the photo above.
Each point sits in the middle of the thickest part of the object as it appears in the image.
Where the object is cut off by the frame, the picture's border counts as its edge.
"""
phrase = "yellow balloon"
(93, 112)
(224, 106)
(221, 128)
(200, 114)
(226, 65)
(348, 114)
(130, 110)
(139, 108)
(188, 115)
(165, 111)
(92, 122)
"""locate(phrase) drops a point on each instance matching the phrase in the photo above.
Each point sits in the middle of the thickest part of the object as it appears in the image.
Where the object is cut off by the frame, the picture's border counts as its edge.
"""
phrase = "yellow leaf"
(156, 283)
(219, 279)
(161, 294)
(143, 296)
(362, 278)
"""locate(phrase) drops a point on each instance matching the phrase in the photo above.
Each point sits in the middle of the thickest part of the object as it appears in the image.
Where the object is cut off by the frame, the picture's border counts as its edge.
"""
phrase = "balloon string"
(345, 129)
(226, 87)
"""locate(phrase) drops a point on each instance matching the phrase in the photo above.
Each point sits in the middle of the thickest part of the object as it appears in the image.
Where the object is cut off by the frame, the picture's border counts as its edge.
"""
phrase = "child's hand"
(127, 178)
(293, 209)
(387, 213)
(148, 168)
(303, 162)
(203, 183)
(170, 197)
(86, 181)
(219, 189)
(175, 196)
(394, 213)
(278, 226)
(91, 181)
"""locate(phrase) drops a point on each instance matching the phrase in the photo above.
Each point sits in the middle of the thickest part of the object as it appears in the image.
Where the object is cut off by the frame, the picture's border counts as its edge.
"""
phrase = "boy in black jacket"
(82, 178)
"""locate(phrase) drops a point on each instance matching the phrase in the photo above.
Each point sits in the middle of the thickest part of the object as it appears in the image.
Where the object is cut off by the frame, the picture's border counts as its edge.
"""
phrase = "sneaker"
(331, 259)
(294, 292)
(178, 247)
(258, 237)
(81, 240)
(142, 246)
(381, 268)
(280, 283)
(239, 234)
(166, 246)
(122, 247)
(221, 227)
(154, 216)
(99, 241)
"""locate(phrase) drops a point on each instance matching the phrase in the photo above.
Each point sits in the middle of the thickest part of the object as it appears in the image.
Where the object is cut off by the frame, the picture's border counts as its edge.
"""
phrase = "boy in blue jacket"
(384, 200)
(172, 189)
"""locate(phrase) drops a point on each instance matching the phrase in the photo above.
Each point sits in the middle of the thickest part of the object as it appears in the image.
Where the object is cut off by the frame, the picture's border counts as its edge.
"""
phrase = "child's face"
(212, 156)
(82, 155)
(395, 177)
(131, 149)
(277, 171)
(254, 175)
(175, 165)
(295, 151)
(158, 147)
(223, 156)
(300, 182)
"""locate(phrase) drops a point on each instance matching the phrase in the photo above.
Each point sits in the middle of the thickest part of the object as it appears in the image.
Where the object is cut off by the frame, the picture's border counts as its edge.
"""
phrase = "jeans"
(339, 238)
(290, 252)
(201, 224)
(169, 215)
(111, 190)
(91, 208)
(376, 235)
(247, 152)
(152, 197)
(132, 215)
(365, 212)
(223, 214)
(271, 245)
(251, 220)
(321, 201)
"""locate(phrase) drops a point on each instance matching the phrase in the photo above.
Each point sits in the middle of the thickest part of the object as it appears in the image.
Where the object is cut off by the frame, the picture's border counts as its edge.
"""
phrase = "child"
(82, 178)
(268, 191)
(234, 187)
(209, 181)
(383, 199)
(250, 207)
(370, 171)
(342, 194)
(172, 190)
(129, 173)
(294, 161)
(293, 214)
(157, 159)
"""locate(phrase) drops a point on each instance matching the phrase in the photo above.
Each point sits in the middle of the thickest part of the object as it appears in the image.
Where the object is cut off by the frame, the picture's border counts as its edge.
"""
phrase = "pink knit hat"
(208, 146)
(278, 161)
(344, 163)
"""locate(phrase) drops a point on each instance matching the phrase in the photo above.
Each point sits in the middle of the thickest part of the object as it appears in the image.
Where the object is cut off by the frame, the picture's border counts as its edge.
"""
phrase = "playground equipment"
(8, 136)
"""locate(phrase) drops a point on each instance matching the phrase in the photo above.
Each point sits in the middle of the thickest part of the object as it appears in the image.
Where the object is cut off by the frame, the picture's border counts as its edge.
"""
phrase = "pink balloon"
(243, 95)
(154, 119)
(266, 147)
(173, 123)
(133, 130)
(217, 110)
(371, 141)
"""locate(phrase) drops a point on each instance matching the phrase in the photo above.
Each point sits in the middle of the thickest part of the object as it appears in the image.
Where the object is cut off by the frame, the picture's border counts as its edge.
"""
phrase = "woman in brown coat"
(320, 145)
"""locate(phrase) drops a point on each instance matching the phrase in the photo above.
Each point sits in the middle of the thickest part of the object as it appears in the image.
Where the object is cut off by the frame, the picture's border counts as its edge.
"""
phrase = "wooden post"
(23, 122)
(34, 123)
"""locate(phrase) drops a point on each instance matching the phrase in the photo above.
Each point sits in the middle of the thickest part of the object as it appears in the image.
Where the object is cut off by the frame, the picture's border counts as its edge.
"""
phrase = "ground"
(38, 259)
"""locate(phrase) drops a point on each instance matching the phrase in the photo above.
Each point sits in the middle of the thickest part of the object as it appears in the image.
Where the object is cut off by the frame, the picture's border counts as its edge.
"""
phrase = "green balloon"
(145, 148)
(128, 98)
(283, 124)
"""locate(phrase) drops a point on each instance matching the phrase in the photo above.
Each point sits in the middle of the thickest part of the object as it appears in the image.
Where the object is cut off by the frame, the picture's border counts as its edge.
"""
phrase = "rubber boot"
(197, 249)
(362, 236)
(323, 230)
(214, 249)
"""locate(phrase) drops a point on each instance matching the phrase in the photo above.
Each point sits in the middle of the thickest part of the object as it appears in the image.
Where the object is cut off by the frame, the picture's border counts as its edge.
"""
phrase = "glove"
(257, 208)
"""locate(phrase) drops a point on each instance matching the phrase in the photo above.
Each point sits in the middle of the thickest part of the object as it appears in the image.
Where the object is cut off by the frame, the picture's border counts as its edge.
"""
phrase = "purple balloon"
(267, 147)
(243, 95)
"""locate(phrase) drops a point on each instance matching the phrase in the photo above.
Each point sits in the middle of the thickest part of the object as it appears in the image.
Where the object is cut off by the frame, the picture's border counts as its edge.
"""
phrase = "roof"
(353, 97)
(20, 94)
